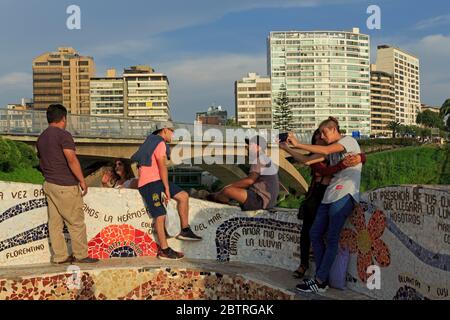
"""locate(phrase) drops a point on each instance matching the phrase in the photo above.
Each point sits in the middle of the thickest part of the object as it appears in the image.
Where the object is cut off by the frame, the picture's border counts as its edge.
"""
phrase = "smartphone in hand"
(283, 137)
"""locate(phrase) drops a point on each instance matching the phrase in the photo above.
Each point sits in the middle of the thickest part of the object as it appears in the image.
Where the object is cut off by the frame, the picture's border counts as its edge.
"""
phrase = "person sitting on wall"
(156, 190)
(259, 190)
(120, 176)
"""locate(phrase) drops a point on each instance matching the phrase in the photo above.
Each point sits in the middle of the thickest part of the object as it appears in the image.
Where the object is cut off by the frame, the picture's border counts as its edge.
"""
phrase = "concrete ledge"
(146, 278)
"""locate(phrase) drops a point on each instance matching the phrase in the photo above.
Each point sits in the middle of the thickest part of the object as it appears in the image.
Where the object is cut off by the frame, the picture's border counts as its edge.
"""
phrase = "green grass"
(25, 175)
(409, 165)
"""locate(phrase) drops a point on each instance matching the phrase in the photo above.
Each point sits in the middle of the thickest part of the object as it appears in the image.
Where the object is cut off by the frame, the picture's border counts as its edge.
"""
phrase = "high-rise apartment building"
(325, 73)
(406, 70)
(382, 96)
(63, 77)
(146, 93)
(107, 95)
(253, 99)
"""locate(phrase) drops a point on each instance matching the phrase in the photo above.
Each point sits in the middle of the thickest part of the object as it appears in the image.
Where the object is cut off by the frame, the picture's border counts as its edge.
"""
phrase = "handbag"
(172, 223)
(312, 199)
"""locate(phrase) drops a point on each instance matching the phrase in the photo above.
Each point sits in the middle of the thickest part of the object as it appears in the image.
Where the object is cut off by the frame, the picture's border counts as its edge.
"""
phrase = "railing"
(32, 123)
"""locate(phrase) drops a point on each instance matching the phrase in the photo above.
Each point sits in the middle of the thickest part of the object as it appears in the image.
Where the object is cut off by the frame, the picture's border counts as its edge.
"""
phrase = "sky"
(204, 46)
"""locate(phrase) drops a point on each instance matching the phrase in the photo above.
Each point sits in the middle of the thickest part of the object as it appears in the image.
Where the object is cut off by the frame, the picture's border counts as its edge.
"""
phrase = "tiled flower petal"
(358, 219)
(376, 225)
(348, 240)
(381, 253)
(363, 262)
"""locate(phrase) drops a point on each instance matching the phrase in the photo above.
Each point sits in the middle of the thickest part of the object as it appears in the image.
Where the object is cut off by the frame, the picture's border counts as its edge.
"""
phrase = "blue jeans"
(330, 217)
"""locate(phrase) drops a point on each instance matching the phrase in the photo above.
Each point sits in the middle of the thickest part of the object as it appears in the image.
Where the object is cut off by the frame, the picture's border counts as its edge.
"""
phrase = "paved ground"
(274, 277)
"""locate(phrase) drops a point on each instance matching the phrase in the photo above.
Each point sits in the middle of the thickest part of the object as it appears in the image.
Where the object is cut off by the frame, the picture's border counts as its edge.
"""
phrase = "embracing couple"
(336, 162)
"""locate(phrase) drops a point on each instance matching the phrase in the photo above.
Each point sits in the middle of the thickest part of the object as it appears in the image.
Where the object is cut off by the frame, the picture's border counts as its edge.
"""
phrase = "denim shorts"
(152, 194)
(253, 202)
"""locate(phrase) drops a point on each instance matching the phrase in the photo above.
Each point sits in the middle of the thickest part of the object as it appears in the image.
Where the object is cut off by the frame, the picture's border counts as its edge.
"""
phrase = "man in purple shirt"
(64, 188)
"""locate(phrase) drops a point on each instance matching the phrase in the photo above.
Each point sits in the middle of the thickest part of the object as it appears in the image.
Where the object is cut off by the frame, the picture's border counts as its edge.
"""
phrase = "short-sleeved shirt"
(348, 180)
(52, 160)
(266, 186)
(148, 174)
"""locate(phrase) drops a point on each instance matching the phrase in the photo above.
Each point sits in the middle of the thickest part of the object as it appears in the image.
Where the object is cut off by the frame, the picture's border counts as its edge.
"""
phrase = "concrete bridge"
(109, 138)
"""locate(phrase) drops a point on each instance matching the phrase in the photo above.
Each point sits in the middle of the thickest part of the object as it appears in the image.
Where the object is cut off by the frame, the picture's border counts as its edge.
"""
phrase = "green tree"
(394, 126)
(282, 117)
(232, 123)
(429, 119)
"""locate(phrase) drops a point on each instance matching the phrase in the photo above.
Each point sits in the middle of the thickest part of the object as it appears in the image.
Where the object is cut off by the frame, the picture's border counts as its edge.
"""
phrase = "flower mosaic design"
(366, 241)
(122, 241)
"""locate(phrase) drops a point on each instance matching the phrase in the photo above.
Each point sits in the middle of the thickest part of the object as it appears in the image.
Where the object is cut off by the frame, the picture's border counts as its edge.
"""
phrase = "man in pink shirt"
(155, 188)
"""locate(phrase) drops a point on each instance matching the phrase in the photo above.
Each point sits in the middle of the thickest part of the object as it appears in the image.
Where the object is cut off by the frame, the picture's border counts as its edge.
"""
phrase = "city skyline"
(204, 51)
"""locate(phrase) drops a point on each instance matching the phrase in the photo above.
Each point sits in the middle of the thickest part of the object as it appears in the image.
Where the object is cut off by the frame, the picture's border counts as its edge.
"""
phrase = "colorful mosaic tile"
(121, 241)
(225, 231)
(23, 207)
(136, 284)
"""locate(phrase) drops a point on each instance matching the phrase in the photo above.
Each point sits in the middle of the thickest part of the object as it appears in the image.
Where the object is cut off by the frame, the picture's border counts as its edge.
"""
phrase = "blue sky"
(205, 45)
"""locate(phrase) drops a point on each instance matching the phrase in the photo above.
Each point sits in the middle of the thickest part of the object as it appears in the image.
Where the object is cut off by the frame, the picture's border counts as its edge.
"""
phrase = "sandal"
(300, 272)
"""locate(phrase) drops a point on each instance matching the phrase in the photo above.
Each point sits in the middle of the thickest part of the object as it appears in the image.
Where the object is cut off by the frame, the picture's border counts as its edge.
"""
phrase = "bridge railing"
(32, 122)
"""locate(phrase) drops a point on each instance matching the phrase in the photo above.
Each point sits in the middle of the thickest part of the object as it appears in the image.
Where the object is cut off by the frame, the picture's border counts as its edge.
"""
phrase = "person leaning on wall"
(120, 175)
(321, 175)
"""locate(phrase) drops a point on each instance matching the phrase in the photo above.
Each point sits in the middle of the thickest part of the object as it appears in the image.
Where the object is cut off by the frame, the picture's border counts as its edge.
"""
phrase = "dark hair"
(313, 139)
(55, 113)
(258, 140)
(157, 132)
(331, 122)
(129, 174)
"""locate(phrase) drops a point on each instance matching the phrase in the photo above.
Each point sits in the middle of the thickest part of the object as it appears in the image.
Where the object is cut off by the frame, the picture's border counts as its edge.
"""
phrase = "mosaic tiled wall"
(118, 226)
(139, 284)
(403, 231)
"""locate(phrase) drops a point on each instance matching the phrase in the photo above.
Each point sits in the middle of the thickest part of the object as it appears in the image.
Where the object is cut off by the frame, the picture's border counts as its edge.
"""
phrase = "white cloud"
(15, 79)
(433, 22)
(433, 52)
(202, 81)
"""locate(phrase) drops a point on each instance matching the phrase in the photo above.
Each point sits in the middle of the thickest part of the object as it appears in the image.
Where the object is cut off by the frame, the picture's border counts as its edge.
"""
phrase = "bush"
(9, 155)
(14, 155)
(405, 142)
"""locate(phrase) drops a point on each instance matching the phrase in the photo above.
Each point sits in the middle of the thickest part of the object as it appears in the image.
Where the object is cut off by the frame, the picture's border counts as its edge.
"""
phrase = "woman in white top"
(121, 176)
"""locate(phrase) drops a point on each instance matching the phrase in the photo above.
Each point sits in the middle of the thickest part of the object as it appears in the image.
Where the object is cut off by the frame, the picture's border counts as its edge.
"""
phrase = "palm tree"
(445, 109)
(394, 126)
(445, 112)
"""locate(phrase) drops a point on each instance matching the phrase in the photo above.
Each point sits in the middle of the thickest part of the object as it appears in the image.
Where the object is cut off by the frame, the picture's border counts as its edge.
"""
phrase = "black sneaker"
(312, 285)
(86, 260)
(68, 260)
(170, 254)
(188, 235)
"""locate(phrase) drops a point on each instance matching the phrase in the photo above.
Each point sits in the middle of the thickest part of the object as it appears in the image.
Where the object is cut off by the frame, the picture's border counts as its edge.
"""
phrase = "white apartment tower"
(326, 73)
(107, 95)
(405, 68)
(146, 93)
(253, 101)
